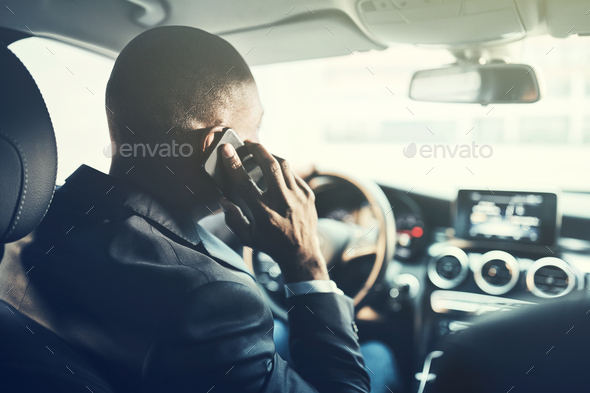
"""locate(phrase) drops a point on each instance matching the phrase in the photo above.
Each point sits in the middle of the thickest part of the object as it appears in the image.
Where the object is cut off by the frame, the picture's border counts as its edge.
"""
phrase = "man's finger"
(271, 169)
(303, 185)
(287, 172)
(238, 175)
(236, 222)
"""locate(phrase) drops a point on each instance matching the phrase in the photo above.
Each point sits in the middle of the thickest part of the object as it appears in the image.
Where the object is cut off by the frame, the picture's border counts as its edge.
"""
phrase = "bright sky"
(352, 114)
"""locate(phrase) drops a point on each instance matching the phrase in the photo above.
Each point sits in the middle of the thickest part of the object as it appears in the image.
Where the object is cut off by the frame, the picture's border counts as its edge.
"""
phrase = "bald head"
(181, 78)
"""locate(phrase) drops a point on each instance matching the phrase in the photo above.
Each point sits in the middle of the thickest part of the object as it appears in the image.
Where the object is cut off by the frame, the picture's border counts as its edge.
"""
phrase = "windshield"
(352, 114)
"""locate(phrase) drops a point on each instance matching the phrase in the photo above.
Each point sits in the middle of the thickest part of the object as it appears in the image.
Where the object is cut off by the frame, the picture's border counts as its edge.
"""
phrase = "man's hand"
(285, 218)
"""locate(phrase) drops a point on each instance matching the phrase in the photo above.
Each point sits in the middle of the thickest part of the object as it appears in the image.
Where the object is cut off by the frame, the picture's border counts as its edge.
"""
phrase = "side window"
(73, 82)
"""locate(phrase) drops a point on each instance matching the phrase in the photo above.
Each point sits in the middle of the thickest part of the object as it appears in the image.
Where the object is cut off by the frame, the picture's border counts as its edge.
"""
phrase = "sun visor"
(567, 17)
(321, 34)
(442, 22)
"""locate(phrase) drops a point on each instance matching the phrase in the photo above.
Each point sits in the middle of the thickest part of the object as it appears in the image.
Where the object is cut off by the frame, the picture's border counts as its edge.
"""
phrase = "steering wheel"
(356, 253)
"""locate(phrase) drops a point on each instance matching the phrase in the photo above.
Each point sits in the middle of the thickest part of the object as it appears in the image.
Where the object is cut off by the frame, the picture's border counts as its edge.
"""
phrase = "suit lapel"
(221, 251)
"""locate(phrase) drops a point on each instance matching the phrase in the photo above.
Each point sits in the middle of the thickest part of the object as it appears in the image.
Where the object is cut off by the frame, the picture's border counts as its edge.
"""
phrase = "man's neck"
(190, 194)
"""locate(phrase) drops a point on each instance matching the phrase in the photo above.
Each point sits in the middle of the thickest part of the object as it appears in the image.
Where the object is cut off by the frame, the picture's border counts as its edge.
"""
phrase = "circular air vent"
(498, 272)
(449, 268)
(550, 277)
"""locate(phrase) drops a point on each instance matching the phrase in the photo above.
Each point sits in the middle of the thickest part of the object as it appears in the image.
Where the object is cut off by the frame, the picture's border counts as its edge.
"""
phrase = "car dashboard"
(485, 251)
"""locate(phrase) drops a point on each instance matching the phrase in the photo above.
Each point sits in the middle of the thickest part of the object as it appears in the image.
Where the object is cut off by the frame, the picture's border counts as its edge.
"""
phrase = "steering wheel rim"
(384, 244)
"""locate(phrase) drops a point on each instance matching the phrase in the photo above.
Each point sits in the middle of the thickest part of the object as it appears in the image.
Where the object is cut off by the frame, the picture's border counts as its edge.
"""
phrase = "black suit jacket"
(130, 283)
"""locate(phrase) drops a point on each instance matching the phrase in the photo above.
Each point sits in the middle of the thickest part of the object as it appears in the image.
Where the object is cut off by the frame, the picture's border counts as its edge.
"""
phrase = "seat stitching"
(26, 175)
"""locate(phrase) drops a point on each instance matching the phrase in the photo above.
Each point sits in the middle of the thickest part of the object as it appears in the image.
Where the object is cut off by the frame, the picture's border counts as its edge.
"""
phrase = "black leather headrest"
(28, 152)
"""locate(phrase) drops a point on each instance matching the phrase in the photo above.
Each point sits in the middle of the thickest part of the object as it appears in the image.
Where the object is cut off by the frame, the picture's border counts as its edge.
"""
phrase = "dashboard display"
(521, 217)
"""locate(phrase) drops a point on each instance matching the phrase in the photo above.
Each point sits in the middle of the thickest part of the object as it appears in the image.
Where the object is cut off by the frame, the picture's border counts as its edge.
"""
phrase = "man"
(123, 273)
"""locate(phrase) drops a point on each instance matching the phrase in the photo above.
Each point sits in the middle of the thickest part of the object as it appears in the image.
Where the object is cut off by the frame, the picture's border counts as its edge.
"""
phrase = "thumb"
(237, 222)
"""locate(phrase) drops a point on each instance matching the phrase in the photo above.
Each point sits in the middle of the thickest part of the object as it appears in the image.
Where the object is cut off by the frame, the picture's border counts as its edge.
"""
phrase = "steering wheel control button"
(449, 268)
(550, 277)
(497, 273)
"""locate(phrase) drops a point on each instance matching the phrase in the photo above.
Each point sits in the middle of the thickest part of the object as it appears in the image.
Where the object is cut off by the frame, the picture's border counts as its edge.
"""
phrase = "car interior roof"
(106, 26)
(270, 32)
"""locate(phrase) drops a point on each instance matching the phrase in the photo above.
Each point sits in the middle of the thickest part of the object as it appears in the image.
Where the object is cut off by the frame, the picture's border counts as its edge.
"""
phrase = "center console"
(502, 254)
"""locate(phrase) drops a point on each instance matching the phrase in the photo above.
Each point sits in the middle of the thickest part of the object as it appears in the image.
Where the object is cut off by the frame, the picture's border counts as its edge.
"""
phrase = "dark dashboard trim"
(437, 211)
(575, 227)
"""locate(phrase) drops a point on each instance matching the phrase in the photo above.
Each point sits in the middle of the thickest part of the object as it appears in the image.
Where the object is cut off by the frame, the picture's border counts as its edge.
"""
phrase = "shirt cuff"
(313, 286)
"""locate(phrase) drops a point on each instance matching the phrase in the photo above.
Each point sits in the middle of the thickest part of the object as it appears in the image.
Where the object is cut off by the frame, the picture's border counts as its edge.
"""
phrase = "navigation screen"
(522, 217)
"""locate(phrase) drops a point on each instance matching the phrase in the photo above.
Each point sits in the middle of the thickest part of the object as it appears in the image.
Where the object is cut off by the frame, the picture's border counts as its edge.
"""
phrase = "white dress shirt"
(313, 286)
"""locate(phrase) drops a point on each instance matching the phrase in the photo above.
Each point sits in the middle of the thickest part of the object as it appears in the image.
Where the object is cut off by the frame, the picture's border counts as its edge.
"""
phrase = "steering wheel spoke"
(362, 243)
(357, 252)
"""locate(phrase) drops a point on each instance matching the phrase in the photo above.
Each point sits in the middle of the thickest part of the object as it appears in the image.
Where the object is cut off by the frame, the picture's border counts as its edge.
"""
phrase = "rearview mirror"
(498, 83)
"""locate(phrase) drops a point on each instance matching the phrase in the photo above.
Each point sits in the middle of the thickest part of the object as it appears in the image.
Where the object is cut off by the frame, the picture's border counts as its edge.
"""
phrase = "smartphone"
(213, 165)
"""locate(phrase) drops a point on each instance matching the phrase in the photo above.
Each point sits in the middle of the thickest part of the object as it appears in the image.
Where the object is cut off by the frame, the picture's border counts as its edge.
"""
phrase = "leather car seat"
(540, 348)
(33, 358)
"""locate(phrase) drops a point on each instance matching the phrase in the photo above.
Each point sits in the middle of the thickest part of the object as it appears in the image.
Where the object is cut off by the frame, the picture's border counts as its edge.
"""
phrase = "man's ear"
(207, 141)
(208, 138)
